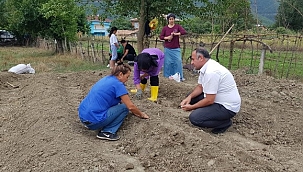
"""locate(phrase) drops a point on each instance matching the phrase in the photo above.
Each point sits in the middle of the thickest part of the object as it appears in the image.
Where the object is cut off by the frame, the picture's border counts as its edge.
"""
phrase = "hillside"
(266, 11)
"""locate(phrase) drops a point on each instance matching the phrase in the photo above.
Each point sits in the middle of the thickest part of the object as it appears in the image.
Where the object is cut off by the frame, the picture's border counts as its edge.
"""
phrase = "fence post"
(231, 51)
(102, 51)
(93, 52)
(81, 51)
(261, 64)
(184, 47)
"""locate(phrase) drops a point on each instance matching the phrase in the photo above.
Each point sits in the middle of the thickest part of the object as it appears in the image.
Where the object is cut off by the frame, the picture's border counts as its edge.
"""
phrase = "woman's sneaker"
(107, 136)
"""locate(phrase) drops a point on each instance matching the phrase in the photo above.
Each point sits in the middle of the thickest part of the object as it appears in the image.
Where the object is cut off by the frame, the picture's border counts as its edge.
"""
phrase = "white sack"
(22, 68)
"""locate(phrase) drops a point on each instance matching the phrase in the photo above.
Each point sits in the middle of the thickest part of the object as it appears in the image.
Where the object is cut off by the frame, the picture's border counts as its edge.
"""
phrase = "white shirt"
(113, 39)
(216, 79)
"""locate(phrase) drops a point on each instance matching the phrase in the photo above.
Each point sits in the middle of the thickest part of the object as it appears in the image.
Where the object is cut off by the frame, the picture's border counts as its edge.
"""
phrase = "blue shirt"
(103, 95)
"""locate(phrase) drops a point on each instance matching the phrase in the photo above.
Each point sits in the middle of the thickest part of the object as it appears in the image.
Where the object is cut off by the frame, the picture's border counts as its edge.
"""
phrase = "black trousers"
(212, 116)
(130, 57)
(154, 81)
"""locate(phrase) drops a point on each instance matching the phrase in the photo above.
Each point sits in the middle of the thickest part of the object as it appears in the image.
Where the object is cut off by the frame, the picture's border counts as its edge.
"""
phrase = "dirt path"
(40, 130)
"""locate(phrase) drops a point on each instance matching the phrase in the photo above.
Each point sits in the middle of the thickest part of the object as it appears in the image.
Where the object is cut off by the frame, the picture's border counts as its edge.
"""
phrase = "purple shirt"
(153, 71)
(166, 31)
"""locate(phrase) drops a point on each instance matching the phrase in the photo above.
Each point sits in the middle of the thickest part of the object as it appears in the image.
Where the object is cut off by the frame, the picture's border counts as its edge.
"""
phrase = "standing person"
(147, 65)
(129, 52)
(215, 100)
(114, 45)
(108, 103)
(173, 60)
(119, 54)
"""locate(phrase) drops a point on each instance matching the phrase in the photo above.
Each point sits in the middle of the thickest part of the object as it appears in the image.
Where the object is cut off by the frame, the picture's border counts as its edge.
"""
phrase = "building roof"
(126, 32)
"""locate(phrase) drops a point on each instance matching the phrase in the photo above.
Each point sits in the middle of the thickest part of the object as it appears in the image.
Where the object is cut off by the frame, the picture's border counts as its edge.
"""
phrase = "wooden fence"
(272, 54)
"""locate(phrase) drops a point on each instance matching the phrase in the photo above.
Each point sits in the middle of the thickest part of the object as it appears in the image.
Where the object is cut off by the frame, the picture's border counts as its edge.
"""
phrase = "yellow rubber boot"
(154, 93)
(142, 86)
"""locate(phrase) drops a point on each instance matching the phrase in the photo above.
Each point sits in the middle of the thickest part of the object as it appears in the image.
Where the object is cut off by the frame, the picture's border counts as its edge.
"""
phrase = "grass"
(283, 62)
(44, 60)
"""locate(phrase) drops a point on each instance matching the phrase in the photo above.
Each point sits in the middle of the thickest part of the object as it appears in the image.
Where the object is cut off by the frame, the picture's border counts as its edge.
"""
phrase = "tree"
(52, 19)
(3, 13)
(197, 25)
(146, 10)
(122, 23)
(228, 12)
(290, 15)
(62, 21)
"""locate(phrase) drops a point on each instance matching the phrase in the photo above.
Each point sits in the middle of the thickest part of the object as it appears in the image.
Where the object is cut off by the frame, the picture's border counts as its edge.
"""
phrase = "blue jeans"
(114, 52)
(212, 116)
(114, 119)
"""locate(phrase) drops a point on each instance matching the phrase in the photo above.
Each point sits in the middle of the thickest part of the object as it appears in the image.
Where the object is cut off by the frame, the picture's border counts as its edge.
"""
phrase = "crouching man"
(215, 100)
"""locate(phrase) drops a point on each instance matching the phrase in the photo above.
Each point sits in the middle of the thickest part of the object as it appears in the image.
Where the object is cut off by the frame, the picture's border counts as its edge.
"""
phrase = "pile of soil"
(40, 129)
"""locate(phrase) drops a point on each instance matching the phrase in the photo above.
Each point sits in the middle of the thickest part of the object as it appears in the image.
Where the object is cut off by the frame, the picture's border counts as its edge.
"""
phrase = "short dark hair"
(203, 51)
(123, 41)
(170, 15)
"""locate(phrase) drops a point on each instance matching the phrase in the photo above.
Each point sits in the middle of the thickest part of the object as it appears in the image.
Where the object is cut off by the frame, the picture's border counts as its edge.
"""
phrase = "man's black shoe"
(220, 130)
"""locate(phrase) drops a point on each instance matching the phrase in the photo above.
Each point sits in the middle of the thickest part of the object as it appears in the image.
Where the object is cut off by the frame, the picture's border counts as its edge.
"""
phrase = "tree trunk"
(140, 36)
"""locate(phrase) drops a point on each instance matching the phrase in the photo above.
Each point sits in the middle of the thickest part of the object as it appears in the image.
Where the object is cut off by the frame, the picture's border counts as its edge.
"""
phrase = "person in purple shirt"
(170, 34)
(147, 65)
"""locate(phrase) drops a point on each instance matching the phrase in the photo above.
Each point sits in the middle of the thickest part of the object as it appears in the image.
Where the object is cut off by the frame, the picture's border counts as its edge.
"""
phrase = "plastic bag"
(22, 68)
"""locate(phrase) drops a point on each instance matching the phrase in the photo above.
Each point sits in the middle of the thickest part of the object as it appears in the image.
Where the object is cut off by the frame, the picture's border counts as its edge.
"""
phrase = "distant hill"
(265, 10)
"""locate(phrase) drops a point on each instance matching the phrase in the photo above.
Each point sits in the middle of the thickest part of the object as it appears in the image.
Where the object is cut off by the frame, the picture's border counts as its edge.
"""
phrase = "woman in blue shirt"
(108, 103)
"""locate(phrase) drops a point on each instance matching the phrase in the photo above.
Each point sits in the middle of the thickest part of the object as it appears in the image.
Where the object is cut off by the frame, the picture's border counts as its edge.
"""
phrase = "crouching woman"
(108, 103)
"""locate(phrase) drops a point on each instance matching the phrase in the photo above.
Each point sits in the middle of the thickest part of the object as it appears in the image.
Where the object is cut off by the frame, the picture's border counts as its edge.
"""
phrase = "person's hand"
(143, 76)
(144, 116)
(139, 94)
(185, 101)
(186, 107)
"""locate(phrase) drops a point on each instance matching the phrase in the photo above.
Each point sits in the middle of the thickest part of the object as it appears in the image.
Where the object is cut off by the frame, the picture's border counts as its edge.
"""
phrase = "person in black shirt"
(129, 52)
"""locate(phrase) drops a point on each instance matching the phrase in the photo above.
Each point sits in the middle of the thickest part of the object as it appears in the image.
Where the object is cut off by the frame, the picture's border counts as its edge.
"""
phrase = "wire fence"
(276, 55)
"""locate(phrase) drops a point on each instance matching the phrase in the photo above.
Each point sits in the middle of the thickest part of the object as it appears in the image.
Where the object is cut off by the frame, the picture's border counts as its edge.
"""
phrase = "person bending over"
(129, 52)
(107, 104)
(147, 65)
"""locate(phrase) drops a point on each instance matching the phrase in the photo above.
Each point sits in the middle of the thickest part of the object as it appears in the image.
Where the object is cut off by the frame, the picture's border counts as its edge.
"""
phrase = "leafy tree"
(197, 25)
(217, 12)
(290, 15)
(62, 20)
(122, 23)
(146, 10)
(228, 12)
(53, 19)
(3, 13)
(24, 18)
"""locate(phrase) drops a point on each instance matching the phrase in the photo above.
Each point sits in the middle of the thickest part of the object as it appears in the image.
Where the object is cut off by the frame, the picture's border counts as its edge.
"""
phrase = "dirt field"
(40, 130)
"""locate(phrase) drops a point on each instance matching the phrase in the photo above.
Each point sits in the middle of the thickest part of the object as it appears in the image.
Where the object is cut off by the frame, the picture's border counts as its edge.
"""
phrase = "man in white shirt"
(215, 100)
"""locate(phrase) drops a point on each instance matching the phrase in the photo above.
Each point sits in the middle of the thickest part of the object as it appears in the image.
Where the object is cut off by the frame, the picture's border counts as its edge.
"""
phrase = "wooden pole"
(221, 39)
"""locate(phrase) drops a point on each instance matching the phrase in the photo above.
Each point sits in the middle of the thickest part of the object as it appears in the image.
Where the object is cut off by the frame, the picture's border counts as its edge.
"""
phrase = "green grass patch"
(44, 60)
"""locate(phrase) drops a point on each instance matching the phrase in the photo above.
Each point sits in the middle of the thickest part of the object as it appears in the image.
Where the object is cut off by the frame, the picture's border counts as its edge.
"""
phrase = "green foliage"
(290, 15)
(122, 23)
(228, 12)
(53, 19)
(283, 30)
(61, 18)
(3, 14)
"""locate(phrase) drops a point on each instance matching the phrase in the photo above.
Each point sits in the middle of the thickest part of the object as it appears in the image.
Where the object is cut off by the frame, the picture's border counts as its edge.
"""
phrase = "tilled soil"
(40, 129)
